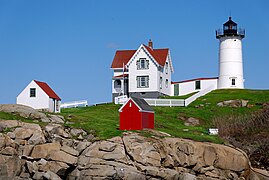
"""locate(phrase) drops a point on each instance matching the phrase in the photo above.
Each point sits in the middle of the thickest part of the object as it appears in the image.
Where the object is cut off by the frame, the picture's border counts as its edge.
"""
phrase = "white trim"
(147, 111)
(142, 47)
(140, 110)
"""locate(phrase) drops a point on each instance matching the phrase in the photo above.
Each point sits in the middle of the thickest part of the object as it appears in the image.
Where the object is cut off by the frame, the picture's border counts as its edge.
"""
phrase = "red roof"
(196, 79)
(45, 87)
(159, 55)
(123, 56)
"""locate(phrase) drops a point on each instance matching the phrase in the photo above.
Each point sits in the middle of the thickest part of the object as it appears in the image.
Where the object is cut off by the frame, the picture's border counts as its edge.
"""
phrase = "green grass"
(179, 97)
(10, 116)
(103, 120)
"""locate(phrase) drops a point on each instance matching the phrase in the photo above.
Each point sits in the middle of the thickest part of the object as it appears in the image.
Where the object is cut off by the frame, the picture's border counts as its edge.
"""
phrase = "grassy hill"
(103, 120)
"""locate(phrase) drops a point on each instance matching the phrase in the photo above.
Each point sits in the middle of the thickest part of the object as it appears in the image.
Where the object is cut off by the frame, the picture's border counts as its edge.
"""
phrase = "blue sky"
(71, 44)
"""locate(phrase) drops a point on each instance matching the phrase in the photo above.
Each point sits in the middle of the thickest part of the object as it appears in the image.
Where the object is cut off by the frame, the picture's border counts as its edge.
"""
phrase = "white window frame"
(233, 81)
(161, 82)
(166, 83)
(197, 83)
(142, 81)
(142, 63)
(32, 92)
(166, 67)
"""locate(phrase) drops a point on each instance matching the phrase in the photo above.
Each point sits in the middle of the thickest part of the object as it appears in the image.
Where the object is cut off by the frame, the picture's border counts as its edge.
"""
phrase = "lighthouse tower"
(230, 56)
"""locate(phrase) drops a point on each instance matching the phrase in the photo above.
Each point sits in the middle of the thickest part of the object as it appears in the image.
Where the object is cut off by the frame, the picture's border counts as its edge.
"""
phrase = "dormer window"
(142, 63)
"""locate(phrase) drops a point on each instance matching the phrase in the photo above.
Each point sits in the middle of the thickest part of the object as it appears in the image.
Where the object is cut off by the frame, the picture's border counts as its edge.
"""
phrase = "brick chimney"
(150, 44)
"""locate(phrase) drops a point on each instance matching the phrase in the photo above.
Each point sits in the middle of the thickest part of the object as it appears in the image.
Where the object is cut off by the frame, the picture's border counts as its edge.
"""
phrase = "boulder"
(142, 151)
(21, 133)
(24, 111)
(43, 150)
(62, 157)
(56, 118)
(37, 138)
(234, 103)
(187, 176)
(59, 168)
(9, 123)
(69, 150)
(192, 122)
(77, 132)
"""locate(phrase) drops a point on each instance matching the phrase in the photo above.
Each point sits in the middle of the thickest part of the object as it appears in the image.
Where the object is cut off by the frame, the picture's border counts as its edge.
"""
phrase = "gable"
(141, 104)
(160, 55)
(124, 56)
(45, 87)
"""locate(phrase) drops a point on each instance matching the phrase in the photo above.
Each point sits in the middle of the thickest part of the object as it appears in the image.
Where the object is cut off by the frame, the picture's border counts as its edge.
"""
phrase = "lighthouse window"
(233, 82)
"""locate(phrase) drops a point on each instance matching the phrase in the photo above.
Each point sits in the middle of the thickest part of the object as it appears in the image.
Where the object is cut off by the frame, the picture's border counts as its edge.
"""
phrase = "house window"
(197, 85)
(233, 81)
(142, 63)
(161, 82)
(142, 81)
(166, 83)
(32, 92)
(166, 67)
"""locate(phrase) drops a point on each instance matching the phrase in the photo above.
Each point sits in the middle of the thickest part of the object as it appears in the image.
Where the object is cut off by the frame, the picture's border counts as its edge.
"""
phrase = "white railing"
(120, 99)
(199, 94)
(165, 102)
(74, 104)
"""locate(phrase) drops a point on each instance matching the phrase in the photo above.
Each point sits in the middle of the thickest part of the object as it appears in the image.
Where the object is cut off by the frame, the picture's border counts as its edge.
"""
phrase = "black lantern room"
(230, 29)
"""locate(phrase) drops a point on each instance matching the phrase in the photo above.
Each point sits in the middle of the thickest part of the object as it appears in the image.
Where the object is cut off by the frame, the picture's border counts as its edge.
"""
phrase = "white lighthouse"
(230, 56)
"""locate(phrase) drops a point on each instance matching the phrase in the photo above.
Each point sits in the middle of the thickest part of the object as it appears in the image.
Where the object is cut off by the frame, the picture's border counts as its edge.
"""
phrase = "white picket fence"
(74, 104)
(166, 102)
(169, 102)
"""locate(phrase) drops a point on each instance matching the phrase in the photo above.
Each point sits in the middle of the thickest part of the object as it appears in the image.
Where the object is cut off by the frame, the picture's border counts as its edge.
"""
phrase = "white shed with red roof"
(39, 95)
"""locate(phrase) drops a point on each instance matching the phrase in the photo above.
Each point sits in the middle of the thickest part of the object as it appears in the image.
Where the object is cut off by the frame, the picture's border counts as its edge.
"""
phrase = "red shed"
(136, 114)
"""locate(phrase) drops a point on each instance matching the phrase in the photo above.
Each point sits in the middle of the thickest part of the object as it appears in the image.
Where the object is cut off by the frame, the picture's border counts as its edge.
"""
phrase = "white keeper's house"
(146, 72)
(39, 95)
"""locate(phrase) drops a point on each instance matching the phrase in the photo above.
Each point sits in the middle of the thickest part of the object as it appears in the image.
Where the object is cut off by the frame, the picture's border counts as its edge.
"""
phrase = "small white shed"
(39, 95)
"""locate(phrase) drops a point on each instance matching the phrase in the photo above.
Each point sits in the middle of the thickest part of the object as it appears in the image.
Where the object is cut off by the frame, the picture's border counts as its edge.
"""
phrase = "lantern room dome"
(230, 29)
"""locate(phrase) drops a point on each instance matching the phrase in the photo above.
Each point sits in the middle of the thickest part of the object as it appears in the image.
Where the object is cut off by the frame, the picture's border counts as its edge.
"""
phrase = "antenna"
(230, 15)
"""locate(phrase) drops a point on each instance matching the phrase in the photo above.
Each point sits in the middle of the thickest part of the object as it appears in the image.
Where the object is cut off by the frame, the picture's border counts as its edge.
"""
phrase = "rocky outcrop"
(234, 103)
(29, 151)
(30, 113)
